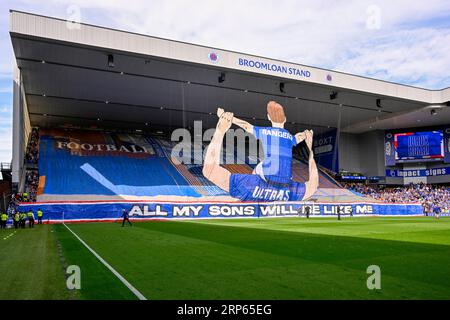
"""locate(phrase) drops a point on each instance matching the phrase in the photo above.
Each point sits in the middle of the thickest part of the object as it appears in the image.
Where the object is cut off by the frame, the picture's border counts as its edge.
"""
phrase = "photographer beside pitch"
(272, 178)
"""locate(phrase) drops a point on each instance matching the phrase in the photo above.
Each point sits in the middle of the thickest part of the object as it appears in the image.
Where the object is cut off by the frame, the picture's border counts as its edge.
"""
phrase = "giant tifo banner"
(110, 211)
(75, 162)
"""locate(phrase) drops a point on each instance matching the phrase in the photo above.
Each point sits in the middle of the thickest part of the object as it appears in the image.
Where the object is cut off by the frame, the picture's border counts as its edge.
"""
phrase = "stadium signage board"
(404, 173)
(274, 67)
(326, 150)
(110, 211)
(74, 146)
(354, 177)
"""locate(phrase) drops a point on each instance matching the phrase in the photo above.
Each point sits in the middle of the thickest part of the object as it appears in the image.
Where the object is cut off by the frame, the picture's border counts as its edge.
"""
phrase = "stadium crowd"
(31, 156)
(19, 218)
(432, 197)
(31, 184)
(31, 161)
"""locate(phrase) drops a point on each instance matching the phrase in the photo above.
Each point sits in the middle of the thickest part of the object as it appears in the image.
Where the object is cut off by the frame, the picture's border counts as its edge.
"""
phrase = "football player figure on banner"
(271, 180)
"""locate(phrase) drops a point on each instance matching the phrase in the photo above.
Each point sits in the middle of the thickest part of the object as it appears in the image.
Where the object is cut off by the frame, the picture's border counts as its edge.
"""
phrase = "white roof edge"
(84, 34)
(445, 95)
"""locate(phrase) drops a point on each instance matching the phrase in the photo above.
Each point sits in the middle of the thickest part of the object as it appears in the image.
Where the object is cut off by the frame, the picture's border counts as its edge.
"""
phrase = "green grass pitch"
(287, 258)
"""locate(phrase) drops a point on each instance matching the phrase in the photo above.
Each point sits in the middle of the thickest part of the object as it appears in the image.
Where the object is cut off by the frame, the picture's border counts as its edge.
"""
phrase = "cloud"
(5, 133)
(5, 117)
(5, 139)
(328, 34)
(6, 89)
(400, 59)
(4, 109)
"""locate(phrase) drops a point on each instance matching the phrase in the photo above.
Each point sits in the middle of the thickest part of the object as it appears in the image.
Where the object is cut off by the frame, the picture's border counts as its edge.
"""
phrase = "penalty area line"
(135, 291)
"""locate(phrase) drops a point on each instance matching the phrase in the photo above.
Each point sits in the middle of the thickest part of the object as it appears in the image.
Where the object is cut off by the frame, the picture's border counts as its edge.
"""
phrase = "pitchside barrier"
(85, 211)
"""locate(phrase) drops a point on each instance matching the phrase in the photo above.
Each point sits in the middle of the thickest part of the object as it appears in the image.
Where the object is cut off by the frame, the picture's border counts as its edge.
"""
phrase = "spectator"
(30, 219)
(31, 160)
(31, 156)
(32, 183)
(425, 194)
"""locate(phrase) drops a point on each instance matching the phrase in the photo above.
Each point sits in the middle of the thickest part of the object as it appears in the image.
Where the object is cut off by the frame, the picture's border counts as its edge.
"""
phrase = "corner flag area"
(290, 258)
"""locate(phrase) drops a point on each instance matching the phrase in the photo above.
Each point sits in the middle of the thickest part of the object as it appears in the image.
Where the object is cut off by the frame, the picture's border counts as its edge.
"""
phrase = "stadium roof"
(83, 75)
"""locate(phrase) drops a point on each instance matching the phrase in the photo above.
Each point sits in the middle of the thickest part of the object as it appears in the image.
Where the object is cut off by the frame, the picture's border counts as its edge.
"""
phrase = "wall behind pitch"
(363, 153)
(349, 156)
(371, 148)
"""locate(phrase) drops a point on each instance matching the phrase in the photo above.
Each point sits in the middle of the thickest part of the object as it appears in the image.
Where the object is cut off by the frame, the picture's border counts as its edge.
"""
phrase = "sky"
(401, 41)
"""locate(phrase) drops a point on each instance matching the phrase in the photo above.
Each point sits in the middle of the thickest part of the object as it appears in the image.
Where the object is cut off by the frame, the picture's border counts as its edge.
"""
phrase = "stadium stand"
(31, 167)
(95, 165)
(32, 153)
(31, 183)
(428, 195)
(191, 168)
(92, 175)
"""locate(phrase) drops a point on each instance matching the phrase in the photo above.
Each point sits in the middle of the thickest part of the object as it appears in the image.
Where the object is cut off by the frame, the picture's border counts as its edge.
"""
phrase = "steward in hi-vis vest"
(31, 219)
(16, 220)
(3, 219)
(39, 215)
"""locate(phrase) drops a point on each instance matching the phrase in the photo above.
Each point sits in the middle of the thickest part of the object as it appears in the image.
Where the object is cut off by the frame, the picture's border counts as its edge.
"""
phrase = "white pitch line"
(106, 264)
(10, 235)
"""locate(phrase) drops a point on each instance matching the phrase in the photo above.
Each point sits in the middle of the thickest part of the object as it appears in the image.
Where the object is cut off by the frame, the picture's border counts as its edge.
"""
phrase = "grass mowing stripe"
(136, 292)
(417, 230)
(407, 262)
(185, 260)
(97, 281)
(30, 266)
